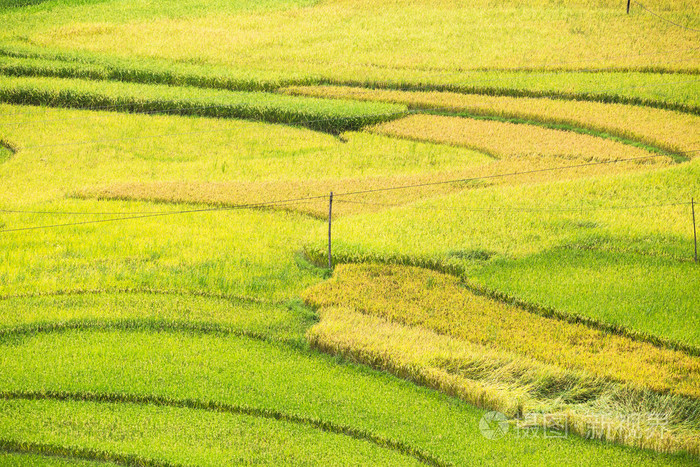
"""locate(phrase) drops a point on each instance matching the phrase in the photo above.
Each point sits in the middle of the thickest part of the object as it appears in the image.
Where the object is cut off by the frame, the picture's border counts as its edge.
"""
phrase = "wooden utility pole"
(628, 6)
(330, 218)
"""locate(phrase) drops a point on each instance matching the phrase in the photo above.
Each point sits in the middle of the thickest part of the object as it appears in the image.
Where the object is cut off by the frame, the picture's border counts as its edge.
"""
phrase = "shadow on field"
(6, 152)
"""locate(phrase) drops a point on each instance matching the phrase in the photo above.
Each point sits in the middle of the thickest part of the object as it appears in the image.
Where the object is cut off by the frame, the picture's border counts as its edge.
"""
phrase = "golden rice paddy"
(671, 130)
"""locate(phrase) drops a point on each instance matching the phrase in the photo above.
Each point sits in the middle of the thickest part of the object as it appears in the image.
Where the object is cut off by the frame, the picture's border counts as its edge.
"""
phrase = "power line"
(129, 213)
(665, 19)
(485, 177)
(227, 208)
(340, 194)
(39, 227)
(520, 209)
(77, 213)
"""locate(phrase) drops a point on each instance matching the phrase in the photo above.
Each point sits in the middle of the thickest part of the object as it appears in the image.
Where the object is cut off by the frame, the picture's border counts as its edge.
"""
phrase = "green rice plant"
(513, 385)
(320, 114)
(155, 309)
(440, 302)
(659, 90)
(668, 91)
(136, 73)
(18, 459)
(670, 130)
(143, 434)
(208, 371)
(32, 61)
(650, 294)
(248, 254)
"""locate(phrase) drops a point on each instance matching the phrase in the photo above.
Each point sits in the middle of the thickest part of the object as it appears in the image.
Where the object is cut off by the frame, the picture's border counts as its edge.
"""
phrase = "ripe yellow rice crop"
(134, 148)
(549, 35)
(300, 163)
(237, 193)
(498, 380)
(507, 140)
(231, 193)
(671, 130)
(436, 301)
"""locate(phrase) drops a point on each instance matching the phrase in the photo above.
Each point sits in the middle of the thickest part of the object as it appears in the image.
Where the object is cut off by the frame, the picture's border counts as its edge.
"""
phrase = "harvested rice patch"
(508, 140)
(436, 301)
(671, 130)
(514, 385)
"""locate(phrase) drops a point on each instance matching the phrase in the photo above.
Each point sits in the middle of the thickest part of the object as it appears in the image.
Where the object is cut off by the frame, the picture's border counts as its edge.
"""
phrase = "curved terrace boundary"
(93, 455)
(218, 407)
(318, 257)
(24, 63)
(138, 290)
(564, 125)
(154, 325)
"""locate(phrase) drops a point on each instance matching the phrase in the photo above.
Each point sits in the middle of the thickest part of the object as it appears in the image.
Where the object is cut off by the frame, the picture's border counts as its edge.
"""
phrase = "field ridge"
(140, 290)
(325, 115)
(22, 64)
(213, 406)
(605, 98)
(68, 452)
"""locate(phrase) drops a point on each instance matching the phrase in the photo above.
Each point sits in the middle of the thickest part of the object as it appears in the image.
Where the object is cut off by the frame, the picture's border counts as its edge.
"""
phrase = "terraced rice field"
(513, 278)
(668, 130)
